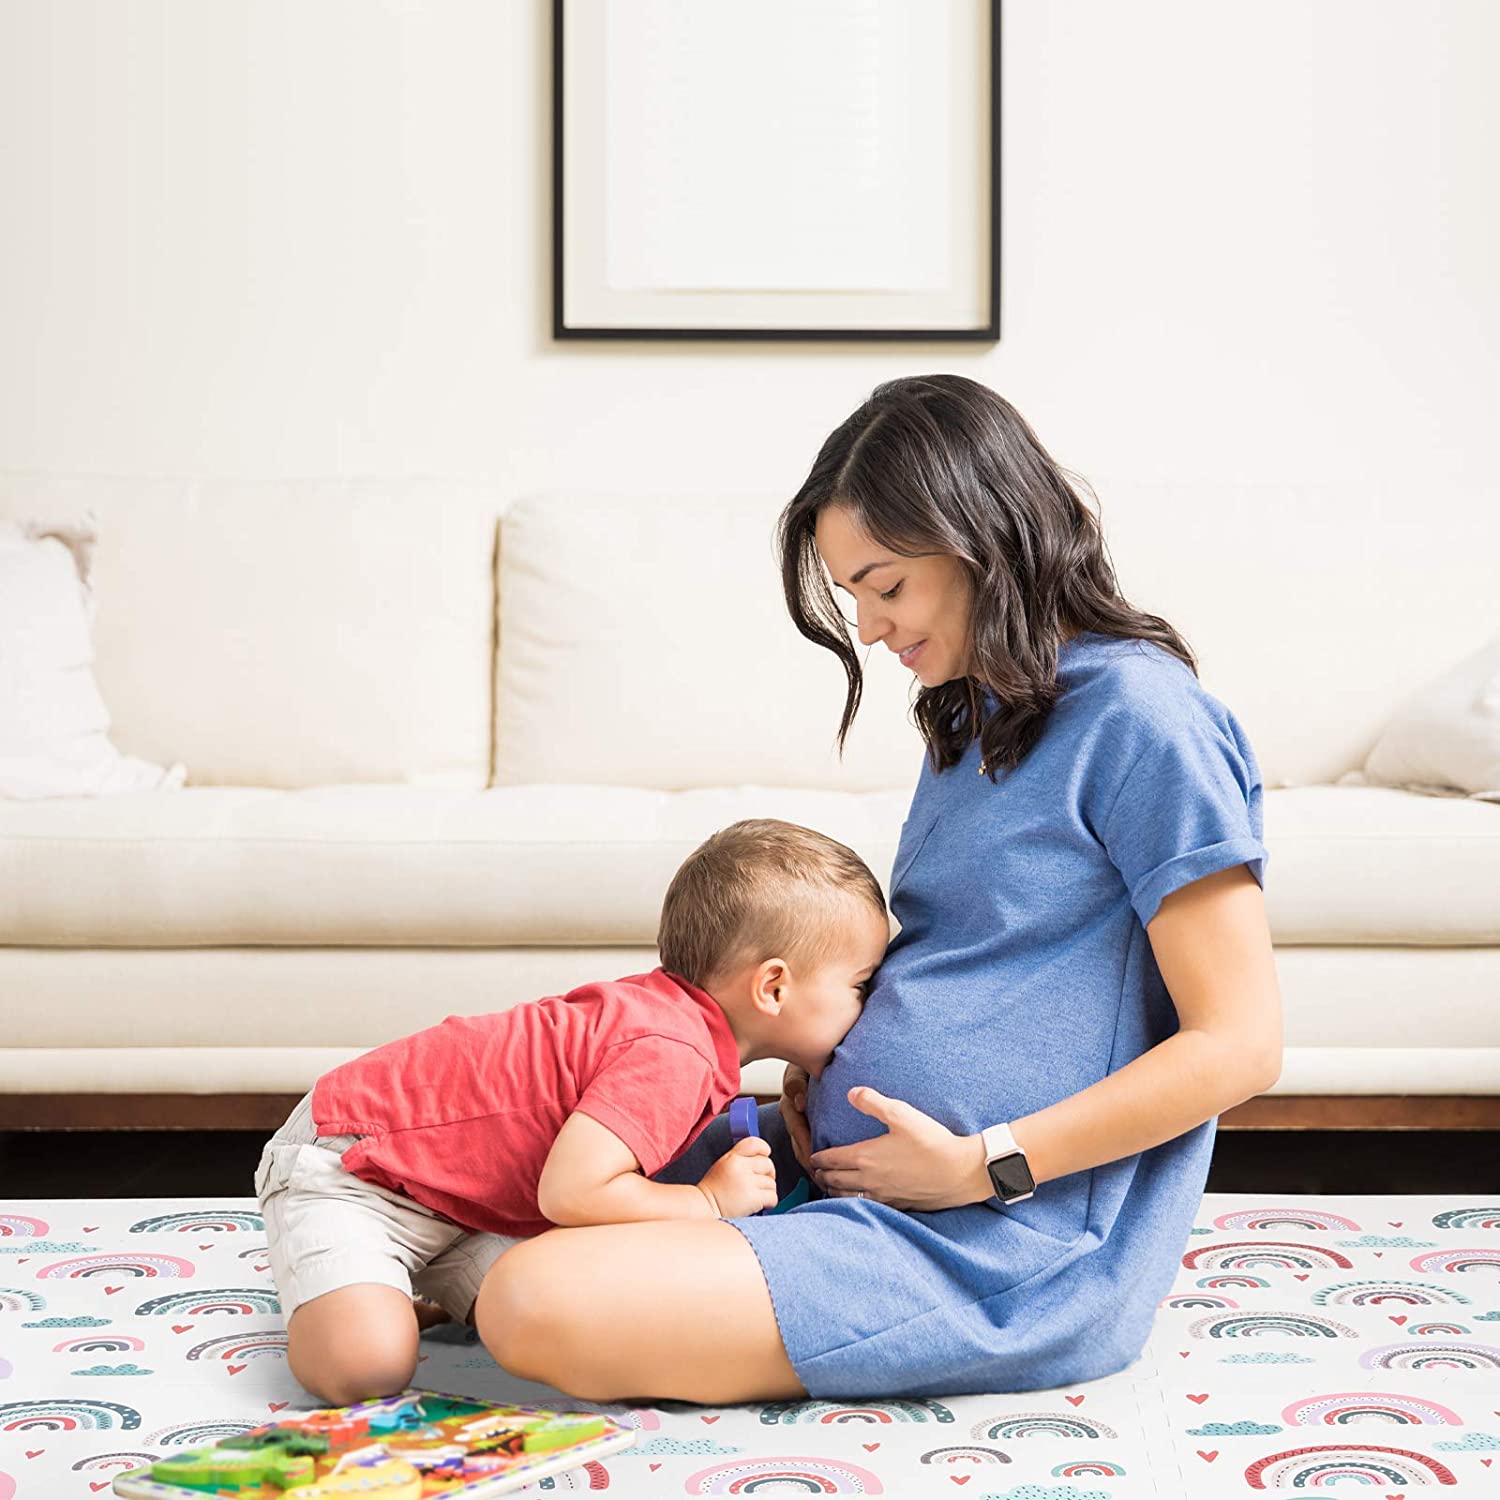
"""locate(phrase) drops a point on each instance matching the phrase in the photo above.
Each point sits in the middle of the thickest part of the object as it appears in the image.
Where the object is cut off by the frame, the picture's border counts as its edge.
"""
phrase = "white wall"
(263, 238)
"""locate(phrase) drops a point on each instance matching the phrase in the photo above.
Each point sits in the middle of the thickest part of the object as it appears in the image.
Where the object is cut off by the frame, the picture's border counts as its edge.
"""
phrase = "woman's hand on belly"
(918, 1164)
(794, 1113)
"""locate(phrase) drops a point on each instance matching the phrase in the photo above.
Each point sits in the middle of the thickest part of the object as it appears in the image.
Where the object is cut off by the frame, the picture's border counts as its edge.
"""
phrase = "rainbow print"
(1486, 1259)
(20, 1299)
(964, 1455)
(21, 1227)
(1432, 1356)
(1089, 1468)
(1280, 1255)
(123, 1459)
(1040, 1424)
(118, 1343)
(1274, 1220)
(57, 1415)
(789, 1412)
(206, 1302)
(1354, 1464)
(208, 1221)
(1375, 1293)
(1339, 1408)
(239, 1347)
(116, 1265)
(1468, 1218)
(1258, 1325)
(810, 1476)
(197, 1434)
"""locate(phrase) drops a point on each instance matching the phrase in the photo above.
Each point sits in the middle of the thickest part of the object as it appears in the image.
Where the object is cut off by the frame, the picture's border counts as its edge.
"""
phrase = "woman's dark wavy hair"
(940, 463)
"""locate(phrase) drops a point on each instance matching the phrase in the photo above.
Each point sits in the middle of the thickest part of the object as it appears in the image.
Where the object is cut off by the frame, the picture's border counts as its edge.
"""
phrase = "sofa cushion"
(580, 866)
(380, 865)
(648, 644)
(291, 633)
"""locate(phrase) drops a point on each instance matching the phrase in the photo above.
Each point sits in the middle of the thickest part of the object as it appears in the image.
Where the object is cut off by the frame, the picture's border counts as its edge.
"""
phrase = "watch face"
(1011, 1176)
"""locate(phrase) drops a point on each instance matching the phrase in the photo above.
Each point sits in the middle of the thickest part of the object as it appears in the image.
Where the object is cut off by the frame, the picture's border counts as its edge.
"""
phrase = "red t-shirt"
(460, 1117)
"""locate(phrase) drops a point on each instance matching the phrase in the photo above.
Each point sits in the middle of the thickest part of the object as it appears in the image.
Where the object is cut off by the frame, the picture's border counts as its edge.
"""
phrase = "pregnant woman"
(1010, 1145)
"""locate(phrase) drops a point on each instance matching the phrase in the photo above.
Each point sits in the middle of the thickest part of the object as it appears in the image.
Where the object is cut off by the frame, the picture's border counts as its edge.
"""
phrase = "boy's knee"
(340, 1378)
(355, 1345)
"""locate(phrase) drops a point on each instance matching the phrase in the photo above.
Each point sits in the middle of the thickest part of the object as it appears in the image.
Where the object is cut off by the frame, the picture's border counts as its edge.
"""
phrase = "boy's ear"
(768, 984)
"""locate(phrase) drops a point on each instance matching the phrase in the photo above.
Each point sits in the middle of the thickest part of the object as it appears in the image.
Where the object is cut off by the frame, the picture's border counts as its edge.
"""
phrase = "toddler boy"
(418, 1163)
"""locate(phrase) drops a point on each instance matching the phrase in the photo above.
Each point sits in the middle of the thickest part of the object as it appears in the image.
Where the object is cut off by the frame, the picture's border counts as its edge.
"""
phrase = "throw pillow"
(52, 719)
(1445, 739)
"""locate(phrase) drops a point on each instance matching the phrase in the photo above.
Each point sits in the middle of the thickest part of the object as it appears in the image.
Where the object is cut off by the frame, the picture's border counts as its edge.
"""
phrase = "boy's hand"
(794, 1113)
(743, 1180)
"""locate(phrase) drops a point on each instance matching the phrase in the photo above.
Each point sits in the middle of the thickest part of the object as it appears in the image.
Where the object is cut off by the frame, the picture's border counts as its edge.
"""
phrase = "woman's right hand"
(794, 1114)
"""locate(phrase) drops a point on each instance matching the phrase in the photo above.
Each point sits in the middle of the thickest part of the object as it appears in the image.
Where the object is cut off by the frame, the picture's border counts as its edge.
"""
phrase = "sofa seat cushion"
(382, 865)
(578, 866)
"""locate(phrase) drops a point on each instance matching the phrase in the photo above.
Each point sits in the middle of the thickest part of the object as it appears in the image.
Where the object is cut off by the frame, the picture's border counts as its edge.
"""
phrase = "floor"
(1314, 1338)
(164, 1163)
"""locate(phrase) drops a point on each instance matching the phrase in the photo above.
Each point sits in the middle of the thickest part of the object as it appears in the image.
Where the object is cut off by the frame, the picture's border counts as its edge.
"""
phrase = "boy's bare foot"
(429, 1314)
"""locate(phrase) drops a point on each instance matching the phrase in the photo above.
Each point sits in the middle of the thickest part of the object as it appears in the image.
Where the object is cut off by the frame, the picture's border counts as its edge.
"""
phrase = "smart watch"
(1005, 1161)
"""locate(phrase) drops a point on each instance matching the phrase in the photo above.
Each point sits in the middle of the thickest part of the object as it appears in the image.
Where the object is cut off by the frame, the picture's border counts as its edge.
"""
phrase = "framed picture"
(776, 169)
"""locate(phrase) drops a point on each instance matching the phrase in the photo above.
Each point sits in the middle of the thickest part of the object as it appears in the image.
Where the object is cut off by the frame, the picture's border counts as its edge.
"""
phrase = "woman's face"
(921, 607)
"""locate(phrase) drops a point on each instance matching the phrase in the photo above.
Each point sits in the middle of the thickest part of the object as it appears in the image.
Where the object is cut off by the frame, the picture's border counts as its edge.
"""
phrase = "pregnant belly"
(886, 1052)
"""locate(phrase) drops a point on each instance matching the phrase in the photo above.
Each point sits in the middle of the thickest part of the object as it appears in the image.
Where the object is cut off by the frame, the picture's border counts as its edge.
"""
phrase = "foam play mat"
(1308, 1344)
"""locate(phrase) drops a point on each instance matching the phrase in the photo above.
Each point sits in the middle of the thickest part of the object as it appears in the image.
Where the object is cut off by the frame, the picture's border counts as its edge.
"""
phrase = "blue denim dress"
(1021, 975)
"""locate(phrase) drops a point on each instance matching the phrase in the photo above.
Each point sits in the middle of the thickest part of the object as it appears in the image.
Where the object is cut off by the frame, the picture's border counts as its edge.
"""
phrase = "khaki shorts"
(326, 1228)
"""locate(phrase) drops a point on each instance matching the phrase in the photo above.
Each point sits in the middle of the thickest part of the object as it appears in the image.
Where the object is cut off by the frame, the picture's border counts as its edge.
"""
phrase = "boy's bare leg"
(667, 1309)
(354, 1344)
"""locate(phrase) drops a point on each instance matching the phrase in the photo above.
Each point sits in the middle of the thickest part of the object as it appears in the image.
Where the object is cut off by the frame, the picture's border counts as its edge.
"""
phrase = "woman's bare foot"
(429, 1314)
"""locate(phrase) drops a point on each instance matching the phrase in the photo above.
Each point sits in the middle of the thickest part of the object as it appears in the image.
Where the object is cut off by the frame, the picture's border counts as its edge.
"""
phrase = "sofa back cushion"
(646, 643)
(290, 633)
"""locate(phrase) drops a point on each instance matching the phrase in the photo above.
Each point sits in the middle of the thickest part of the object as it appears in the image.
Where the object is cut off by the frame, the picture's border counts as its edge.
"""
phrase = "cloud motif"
(1489, 1317)
(1234, 1429)
(36, 1247)
(83, 1322)
(674, 1447)
(1047, 1492)
(1472, 1442)
(114, 1370)
(1387, 1242)
(1199, 1229)
(1266, 1357)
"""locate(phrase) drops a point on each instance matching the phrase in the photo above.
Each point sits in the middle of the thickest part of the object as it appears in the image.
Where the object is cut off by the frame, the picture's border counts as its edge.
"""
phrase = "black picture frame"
(986, 332)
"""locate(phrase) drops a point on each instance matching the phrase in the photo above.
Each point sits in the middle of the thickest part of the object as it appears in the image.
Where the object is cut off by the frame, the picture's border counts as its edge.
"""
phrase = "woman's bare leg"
(673, 1309)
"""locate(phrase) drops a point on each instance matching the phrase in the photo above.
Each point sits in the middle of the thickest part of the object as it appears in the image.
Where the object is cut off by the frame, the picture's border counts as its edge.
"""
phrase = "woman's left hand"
(918, 1164)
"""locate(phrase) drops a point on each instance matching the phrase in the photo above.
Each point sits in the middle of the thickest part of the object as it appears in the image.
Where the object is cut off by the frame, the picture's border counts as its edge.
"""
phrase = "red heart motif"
(109, 1291)
(1074, 1400)
(181, 1327)
(1395, 1223)
(1197, 1400)
(1378, 1255)
(711, 1419)
(655, 1467)
(205, 1247)
(22, 1259)
(1212, 1454)
(100, 1484)
(1486, 1461)
(1398, 1317)
(263, 1268)
(960, 1478)
(869, 1447)
(1300, 1275)
(1183, 1353)
(276, 1405)
(90, 1228)
(235, 1369)
(35, 1452)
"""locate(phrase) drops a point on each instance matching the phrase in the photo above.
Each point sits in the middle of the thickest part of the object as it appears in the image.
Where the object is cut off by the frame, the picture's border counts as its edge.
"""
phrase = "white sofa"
(445, 750)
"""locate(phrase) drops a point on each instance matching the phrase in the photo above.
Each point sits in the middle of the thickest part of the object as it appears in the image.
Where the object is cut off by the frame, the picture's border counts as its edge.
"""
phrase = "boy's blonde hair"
(756, 889)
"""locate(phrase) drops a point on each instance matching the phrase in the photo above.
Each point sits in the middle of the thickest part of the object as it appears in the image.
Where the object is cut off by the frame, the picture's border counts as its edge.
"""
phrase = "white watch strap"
(998, 1141)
